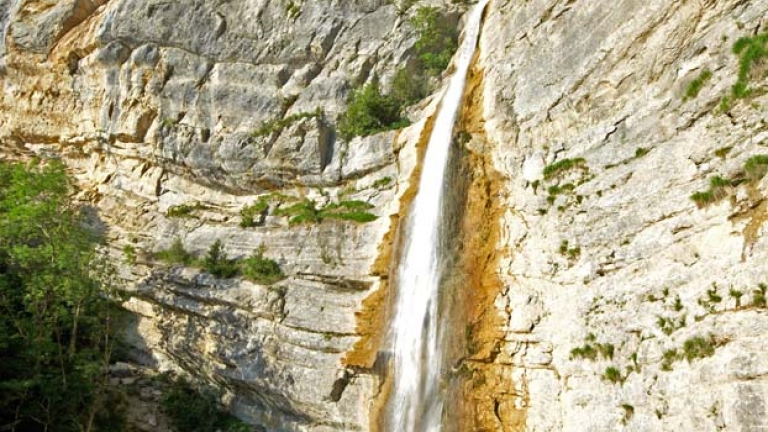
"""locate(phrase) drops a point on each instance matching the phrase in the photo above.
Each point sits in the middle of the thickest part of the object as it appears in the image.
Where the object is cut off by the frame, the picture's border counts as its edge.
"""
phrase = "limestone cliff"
(599, 295)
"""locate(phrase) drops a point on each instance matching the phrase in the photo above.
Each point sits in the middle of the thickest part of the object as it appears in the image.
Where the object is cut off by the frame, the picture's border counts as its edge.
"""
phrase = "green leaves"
(438, 40)
(54, 322)
(371, 112)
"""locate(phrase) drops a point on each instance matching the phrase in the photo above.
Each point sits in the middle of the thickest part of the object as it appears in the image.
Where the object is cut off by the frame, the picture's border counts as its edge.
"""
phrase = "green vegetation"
(382, 182)
(261, 270)
(591, 349)
(718, 189)
(184, 210)
(129, 252)
(193, 409)
(613, 374)
(176, 254)
(409, 86)
(216, 262)
(752, 51)
(277, 125)
(698, 347)
(695, 86)
(725, 104)
(736, 295)
(756, 167)
(563, 166)
(723, 152)
(438, 39)
(694, 348)
(641, 151)
(758, 296)
(57, 317)
(249, 213)
(307, 212)
(370, 112)
(570, 252)
(629, 411)
(669, 325)
(292, 9)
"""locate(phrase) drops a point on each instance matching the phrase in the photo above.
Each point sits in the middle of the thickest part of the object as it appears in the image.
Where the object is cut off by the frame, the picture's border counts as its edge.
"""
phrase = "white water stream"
(416, 404)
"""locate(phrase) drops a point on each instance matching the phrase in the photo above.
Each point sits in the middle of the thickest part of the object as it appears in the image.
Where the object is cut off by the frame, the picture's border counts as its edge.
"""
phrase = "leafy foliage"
(56, 327)
(260, 269)
(438, 40)
(307, 212)
(216, 262)
(369, 112)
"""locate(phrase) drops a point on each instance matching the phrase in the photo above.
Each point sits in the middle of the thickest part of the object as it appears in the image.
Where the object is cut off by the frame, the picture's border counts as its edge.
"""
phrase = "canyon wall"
(599, 295)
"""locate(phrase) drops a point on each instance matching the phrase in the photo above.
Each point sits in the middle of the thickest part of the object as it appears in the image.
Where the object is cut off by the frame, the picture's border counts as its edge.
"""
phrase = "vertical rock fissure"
(416, 401)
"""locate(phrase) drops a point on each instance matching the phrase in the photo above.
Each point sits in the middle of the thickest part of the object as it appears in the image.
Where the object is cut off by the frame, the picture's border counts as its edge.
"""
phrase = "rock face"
(602, 296)
(626, 264)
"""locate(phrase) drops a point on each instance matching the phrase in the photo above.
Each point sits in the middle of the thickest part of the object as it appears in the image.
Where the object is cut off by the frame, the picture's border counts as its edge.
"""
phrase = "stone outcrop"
(585, 285)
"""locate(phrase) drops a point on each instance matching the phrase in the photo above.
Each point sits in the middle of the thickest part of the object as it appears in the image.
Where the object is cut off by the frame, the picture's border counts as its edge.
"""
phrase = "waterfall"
(416, 404)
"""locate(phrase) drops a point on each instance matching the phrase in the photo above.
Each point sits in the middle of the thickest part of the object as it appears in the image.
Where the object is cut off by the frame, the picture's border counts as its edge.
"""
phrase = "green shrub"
(564, 166)
(408, 87)
(752, 51)
(370, 112)
(176, 254)
(756, 167)
(216, 262)
(698, 347)
(261, 270)
(695, 86)
(437, 41)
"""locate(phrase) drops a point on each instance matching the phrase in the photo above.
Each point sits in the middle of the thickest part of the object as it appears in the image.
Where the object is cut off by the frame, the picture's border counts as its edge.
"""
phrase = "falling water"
(416, 404)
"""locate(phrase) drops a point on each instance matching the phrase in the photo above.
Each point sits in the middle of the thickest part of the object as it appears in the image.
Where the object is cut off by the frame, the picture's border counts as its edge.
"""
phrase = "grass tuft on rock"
(752, 51)
(695, 86)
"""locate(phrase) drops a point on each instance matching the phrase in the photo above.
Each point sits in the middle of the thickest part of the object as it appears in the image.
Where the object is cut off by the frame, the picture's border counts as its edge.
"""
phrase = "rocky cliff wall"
(626, 306)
